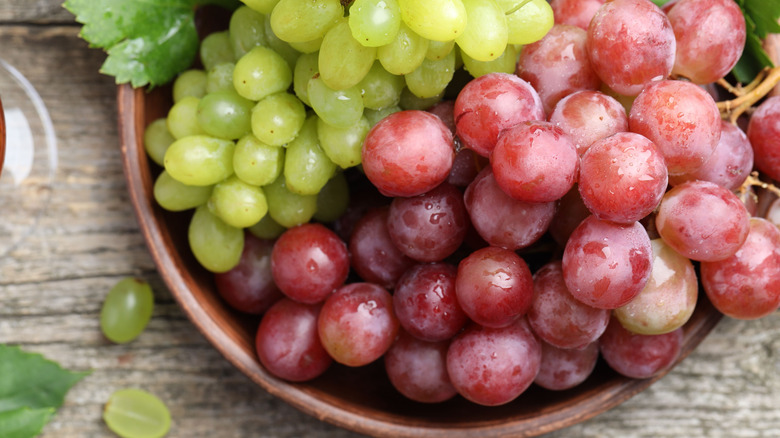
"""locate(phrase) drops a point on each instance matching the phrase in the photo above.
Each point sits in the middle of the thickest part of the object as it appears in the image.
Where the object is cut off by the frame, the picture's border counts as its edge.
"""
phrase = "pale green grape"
(256, 162)
(438, 20)
(305, 69)
(216, 48)
(182, 120)
(280, 46)
(246, 30)
(288, 209)
(505, 63)
(405, 53)
(267, 228)
(157, 138)
(380, 88)
(278, 118)
(304, 20)
(126, 310)
(237, 203)
(527, 21)
(333, 199)
(261, 72)
(374, 23)
(220, 77)
(307, 46)
(261, 6)
(225, 114)
(134, 413)
(306, 166)
(189, 83)
(374, 116)
(342, 108)
(343, 61)
(485, 37)
(431, 77)
(343, 145)
(173, 195)
(200, 160)
(439, 49)
(216, 245)
(409, 101)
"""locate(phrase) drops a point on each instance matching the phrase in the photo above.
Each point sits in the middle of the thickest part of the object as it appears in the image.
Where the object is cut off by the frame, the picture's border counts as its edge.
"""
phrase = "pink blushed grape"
(564, 368)
(588, 116)
(375, 258)
(418, 369)
(575, 12)
(763, 132)
(639, 356)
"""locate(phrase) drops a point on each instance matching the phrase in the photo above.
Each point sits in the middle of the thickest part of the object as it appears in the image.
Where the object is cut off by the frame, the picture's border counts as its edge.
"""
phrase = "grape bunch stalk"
(483, 194)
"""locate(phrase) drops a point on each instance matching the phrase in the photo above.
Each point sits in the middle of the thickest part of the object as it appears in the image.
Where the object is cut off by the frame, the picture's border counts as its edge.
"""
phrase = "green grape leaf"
(761, 18)
(24, 422)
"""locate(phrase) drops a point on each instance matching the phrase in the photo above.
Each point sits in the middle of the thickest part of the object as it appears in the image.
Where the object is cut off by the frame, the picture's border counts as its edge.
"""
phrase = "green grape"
(405, 53)
(267, 228)
(409, 101)
(374, 116)
(246, 30)
(306, 166)
(333, 199)
(256, 162)
(220, 77)
(343, 145)
(261, 72)
(182, 120)
(342, 108)
(126, 310)
(216, 245)
(304, 20)
(225, 114)
(380, 88)
(374, 23)
(157, 139)
(343, 61)
(305, 68)
(485, 37)
(505, 63)
(216, 48)
(527, 20)
(134, 413)
(439, 49)
(431, 77)
(437, 20)
(278, 118)
(288, 209)
(261, 6)
(200, 160)
(237, 203)
(282, 47)
(173, 195)
(189, 83)
(307, 46)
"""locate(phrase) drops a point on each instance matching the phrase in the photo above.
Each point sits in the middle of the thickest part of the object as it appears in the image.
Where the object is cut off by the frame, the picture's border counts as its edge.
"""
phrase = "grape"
(374, 256)
(405, 53)
(534, 162)
(306, 67)
(557, 317)
(246, 30)
(502, 220)
(220, 77)
(410, 101)
(306, 166)
(418, 369)
(304, 20)
(773, 213)
(267, 228)
(216, 48)
(575, 12)
(444, 110)
(333, 199)
(380, 89)
(357, 325)
(249, 286)
(486, 33)
(408, 153)
(126, 310)
(375, 116)
(702, 221)
(312, 46)
(262, 6)
(505, 63)
(175, 196)
(710, 38)
(587, 116)
(431, 77)
(566, 368)
(308, 262)
(527, 20)
(571, 211)
(630, 43)
(669, 298)
(288, 343)
(681, 119)
(237, 203)
(256, 162)
(225, 114)
(622, 178)
(449, 22)
(374, 23)
(216, 245)
(182, 120)
(343, 145)
(277, 119)
(558, 65)
(763, 132)
(747, 284)
(261, 72)
(340, 108)
(439, 49)
(431, 226)
(280, 46)
(287, 208)
(189, 83)
(200, 160)
(491, 103)
(639, 356)
(493, 366)
(134, 413)
(157, 139)
(343, 61)
(606, 265)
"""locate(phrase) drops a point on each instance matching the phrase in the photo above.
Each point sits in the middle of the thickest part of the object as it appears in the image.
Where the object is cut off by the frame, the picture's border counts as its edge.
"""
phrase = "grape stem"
(753, 180)
(748, 95)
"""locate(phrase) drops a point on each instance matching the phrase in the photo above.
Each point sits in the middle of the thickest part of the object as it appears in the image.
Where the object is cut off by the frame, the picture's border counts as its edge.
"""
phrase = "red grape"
(639, 356)
(575, 12)
(588, 116)
(465, 167)
(571, 211)
(763, 132)
(418, 369)
(563, 368)
(445, 110)
(375, 258)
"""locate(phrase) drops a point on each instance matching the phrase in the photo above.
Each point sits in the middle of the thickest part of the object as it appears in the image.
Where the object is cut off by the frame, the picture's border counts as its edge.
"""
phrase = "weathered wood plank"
(34, 11)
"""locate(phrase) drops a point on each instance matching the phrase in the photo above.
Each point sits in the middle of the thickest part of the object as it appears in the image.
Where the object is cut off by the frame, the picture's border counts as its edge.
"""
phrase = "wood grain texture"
(51, 289)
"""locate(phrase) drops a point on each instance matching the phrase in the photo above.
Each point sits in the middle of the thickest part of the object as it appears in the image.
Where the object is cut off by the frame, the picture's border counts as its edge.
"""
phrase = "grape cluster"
(508, 237)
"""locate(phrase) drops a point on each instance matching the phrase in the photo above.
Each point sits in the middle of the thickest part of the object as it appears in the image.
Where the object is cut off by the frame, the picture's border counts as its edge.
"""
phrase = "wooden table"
(52, 287)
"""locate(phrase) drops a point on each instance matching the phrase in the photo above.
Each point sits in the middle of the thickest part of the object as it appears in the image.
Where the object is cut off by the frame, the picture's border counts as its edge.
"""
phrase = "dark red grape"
(564, 368)
(375, 258)
(418, 369)
(639, 356)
